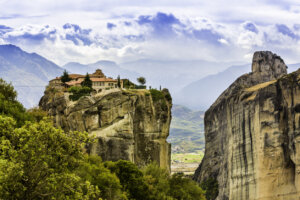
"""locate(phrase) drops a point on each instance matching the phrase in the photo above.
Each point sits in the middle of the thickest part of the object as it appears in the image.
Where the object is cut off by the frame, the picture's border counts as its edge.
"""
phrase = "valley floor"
(185, 163)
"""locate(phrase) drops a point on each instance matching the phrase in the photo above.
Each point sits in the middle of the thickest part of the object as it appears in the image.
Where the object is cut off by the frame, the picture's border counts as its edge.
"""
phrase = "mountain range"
(190, 82)
(199, 95)
(29, 73)
(186, 130)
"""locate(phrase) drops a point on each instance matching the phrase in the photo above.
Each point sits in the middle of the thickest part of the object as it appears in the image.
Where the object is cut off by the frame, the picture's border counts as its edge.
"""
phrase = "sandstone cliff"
(128, 124)
(252, 135)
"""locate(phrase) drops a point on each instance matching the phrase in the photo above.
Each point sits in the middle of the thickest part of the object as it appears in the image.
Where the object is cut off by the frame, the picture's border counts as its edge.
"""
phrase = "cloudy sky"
(126, 30)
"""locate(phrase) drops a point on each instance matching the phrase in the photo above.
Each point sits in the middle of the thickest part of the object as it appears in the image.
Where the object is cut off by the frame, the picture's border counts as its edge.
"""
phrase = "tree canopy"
(65, 77)
(141, 80)
(87, 81)
(10, 106)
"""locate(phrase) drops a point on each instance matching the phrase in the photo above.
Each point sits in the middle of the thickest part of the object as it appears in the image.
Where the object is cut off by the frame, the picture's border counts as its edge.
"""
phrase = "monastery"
(99, 81)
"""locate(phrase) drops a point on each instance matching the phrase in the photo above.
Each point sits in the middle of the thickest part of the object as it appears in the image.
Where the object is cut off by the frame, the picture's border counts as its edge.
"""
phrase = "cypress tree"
(87, 81)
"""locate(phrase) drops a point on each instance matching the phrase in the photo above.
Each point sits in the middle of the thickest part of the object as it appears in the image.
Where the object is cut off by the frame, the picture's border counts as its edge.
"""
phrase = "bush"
(94, 171)
(131, 179)
(140, 87)
(185, 188)
(37, 114)
(78, 92)
(211, 187)
(156, 95)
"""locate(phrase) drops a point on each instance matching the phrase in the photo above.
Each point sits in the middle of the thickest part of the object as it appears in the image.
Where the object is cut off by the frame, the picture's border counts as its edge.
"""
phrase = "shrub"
(131, 178)
(156, 95)
(185, 188)
(37, 113)
(78, 92)
(211, 187)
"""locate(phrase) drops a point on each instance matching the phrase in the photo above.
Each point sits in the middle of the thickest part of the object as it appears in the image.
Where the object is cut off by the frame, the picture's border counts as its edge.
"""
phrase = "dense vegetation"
(39, 161)
(78, 92)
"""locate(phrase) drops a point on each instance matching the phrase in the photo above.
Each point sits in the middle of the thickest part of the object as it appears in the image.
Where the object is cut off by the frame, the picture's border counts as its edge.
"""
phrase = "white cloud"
(221, 35)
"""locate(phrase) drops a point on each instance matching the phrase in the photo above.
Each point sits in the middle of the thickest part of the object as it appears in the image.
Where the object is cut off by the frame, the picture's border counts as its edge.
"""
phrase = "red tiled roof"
(74, 82)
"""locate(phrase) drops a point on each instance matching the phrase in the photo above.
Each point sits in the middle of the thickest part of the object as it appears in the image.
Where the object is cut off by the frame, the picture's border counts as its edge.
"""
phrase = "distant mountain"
(202, 93)
(173, 74)
(28, 72)
(187, 130)
(109, 68)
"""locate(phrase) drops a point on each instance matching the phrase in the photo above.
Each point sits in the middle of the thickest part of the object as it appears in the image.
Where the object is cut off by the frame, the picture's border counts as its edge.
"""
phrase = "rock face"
(252, 135)
(127, 124)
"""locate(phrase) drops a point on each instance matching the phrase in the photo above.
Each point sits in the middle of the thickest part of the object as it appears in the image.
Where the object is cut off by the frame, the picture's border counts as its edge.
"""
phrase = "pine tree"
(65, 77)
(119, 82)
(87, 81)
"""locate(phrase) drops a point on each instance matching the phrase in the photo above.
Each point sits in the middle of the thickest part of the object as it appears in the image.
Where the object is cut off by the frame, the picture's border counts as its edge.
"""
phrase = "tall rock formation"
(252, 134)
(128, 124)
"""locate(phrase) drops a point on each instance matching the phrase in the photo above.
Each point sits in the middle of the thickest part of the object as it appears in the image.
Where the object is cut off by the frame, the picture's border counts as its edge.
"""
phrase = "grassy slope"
(187, 134)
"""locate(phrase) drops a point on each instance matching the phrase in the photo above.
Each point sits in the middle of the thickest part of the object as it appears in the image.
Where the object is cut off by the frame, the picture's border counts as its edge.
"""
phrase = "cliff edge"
(128, 124)
(252, 134)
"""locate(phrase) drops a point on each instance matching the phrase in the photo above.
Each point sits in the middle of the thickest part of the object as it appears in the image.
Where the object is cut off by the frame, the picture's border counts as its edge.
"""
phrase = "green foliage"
(158, 181)
(164, 186)
(211, 186)
(167, 94)
(141, 80)
(131, 179)
(78, 92)
(119, 82)
(87, 81)
(128, 84)
(10, 106)
(185, 189)
(140, 87)
(156, 95)
(94, 171)
(37, 114)
(38, 161)
(65, 77)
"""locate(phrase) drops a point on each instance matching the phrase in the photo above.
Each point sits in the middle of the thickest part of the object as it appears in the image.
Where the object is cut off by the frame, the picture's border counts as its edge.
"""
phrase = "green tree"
(38, 161)
(131, 179)
(37, 114)
(93, 170)
(158, 181)
(9, 104)
(185, 189)
(65, 77)
(87, 81)
(211, 187)
(141, 80)
(119, 82)
(78, 92)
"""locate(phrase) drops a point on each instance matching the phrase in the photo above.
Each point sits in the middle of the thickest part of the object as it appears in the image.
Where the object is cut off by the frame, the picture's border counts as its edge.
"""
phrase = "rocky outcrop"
(128, 124)
(252, 135)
